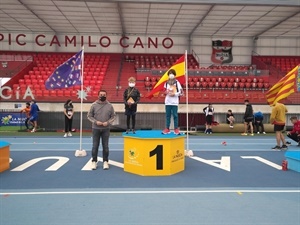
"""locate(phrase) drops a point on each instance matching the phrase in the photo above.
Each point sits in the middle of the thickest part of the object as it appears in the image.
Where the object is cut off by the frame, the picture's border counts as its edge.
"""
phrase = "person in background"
(294, 134)
(69, 112)
(34, 114)
(248, 118)
(173, 90)
(26, 110)
(258, 122)
(131, 98)
(230, 118)
(102, 115)
(278, 118)
(209, 112)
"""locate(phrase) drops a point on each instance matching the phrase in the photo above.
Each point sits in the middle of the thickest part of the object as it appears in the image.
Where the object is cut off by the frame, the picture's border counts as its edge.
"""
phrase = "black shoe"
(276, 148)
(298, 145)
(288, 143)
(284, 147)
(127, 131)
(133, 131)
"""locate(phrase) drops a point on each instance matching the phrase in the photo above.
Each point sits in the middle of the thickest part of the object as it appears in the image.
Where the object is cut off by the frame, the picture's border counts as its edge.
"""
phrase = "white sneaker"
(231, 127)
(94, 165)
(65, 135)
(105, 165)
(264, 132)
(258, 132)
(69, 134)
(33, 130)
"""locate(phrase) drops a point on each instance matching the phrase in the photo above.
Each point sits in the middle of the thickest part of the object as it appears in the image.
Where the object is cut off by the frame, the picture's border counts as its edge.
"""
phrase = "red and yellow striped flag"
(179, 67)
(284, 87)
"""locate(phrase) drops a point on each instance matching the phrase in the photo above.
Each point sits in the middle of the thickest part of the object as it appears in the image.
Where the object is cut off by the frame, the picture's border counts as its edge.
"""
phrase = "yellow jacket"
(278, 115)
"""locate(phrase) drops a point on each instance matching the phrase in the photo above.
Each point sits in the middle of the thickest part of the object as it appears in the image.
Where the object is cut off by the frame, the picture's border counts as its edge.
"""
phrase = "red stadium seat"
(46, 93)
(266, 85)
(204, 84)
(260, 85)
(248, 85)
(38, 93)
(229, 84)
(60, 93)
(191, 84)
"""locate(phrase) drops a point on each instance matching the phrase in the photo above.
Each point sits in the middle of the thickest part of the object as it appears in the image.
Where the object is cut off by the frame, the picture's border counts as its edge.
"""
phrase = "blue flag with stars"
(67, 74)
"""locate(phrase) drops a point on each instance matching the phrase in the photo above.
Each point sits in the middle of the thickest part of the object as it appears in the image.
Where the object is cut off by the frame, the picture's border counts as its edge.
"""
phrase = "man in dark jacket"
(248, 118)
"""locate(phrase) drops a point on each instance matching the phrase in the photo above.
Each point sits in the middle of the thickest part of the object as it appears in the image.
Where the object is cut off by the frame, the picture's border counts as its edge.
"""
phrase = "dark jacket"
(133, 93)
(249, 112)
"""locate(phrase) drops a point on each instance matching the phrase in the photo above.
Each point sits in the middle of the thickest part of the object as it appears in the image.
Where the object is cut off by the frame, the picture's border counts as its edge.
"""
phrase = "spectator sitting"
(295, 133)
(258, 122)
(230, 118)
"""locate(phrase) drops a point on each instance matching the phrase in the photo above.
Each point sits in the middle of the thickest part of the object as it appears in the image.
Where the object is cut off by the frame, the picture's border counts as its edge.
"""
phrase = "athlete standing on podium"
(131, 97)
(173, 90)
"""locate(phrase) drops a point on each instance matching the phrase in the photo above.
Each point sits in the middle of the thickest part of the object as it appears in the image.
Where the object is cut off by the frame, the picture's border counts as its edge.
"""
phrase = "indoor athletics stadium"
(150, 112)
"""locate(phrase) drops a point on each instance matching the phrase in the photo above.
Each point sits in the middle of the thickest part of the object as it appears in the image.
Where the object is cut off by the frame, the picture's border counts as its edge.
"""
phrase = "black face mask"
(102, 98)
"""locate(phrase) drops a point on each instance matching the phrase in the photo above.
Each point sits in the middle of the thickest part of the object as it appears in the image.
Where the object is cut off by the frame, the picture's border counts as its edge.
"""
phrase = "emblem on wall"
(221, 52)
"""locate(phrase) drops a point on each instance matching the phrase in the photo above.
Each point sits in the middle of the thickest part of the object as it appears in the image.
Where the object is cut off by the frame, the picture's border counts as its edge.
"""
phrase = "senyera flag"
(179, 67)
(284, 87)
(67, 74)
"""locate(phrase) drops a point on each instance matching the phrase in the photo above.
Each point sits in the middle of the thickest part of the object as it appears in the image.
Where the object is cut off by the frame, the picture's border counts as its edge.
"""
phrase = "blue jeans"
(171, 110)
(104, 135)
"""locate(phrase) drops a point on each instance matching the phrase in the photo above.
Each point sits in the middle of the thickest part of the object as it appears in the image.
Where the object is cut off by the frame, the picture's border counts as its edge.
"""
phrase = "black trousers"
(128, 121)
(294, 137)
(68, 124)
(259, 124)
(26, 122)
(102, 134)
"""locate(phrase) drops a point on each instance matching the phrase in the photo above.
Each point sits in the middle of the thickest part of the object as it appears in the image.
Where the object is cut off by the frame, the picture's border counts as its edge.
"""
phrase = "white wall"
(242, 47)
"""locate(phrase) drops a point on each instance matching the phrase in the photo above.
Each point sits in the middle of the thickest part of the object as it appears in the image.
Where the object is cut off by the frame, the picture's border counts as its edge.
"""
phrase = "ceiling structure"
(264, 18)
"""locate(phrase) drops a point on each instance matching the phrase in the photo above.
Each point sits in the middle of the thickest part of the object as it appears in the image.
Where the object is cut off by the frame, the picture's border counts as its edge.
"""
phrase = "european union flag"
(67, 74)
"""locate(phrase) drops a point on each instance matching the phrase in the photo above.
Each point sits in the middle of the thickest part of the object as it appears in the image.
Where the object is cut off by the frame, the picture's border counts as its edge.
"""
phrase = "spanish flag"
(179, 67)
(284, 87)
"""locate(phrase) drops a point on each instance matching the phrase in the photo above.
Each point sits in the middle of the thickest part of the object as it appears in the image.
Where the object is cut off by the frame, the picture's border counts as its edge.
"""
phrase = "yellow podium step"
(150, 153)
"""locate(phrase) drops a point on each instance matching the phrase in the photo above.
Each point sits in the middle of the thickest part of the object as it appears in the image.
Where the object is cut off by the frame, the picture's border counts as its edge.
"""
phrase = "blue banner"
(12, 119)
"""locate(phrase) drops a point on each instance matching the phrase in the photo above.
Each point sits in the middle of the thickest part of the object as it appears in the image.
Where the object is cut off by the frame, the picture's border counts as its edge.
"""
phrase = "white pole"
(81, 152)
(81, 99)
(187, 100)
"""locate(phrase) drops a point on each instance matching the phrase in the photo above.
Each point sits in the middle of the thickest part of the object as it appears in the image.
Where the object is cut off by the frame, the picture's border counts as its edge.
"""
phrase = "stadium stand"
(217, 83)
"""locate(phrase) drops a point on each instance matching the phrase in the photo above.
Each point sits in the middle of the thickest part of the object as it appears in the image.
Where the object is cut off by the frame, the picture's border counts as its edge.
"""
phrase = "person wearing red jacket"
(294, 134)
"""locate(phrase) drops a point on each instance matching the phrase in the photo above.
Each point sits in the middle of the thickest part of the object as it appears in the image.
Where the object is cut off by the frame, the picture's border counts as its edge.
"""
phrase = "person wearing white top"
(173, 90)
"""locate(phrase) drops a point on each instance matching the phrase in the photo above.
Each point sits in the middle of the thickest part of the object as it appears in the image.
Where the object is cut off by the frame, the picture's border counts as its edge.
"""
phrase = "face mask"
(131, 84)
(102, 98)
(171, 76)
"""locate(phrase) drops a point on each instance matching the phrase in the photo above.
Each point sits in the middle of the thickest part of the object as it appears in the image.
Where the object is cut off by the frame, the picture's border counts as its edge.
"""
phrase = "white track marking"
(152, 192)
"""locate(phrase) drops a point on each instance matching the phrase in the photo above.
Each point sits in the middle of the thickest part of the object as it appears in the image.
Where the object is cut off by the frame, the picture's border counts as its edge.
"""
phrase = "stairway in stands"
(111, 79)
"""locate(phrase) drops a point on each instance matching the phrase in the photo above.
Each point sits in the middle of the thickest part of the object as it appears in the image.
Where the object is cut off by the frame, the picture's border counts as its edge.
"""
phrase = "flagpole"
(81, 152)
(187, 100)
(81, 99)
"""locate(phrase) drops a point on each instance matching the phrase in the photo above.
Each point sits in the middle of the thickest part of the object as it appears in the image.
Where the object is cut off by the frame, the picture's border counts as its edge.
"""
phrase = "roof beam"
(121, 18)
(201, 20)
(269, 28)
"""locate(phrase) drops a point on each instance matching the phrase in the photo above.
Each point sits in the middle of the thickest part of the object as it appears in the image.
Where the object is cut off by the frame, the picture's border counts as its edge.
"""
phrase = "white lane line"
(151, 192)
